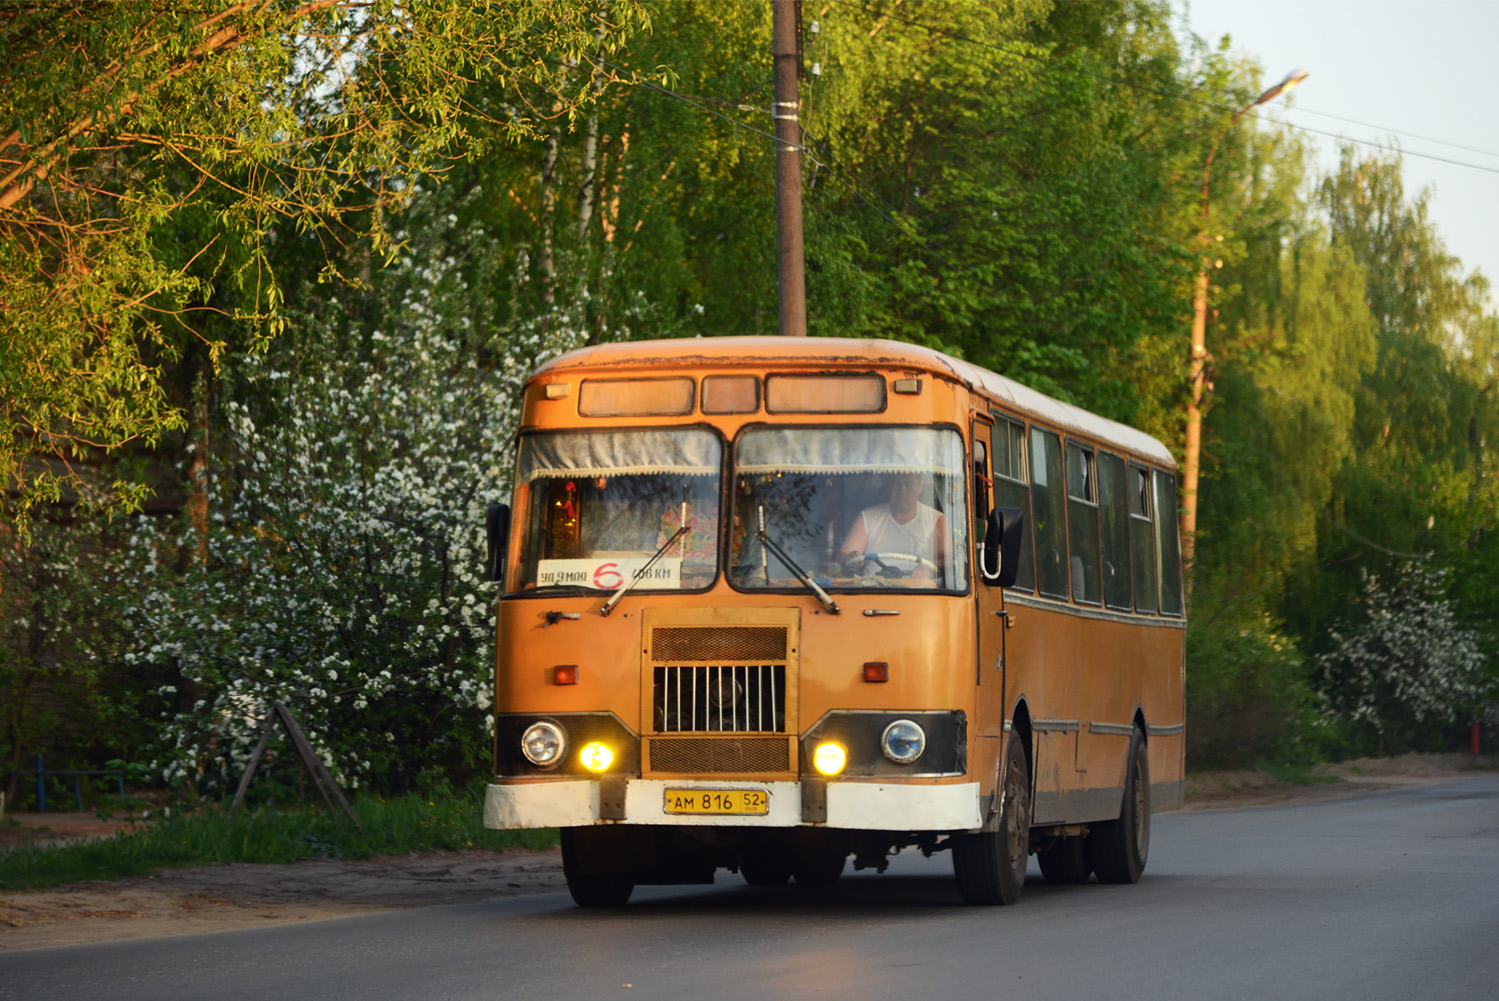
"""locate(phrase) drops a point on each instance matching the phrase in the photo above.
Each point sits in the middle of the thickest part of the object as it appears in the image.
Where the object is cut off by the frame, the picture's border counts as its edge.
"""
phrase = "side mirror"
(999, 560)
(497, 526)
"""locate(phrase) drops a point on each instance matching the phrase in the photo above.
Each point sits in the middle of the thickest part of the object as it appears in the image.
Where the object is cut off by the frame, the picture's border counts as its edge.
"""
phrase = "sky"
(1405, 68)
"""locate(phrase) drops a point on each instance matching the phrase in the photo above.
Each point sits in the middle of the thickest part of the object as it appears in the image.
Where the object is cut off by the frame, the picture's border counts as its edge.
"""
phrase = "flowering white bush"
(1409, 661)
(344, 561)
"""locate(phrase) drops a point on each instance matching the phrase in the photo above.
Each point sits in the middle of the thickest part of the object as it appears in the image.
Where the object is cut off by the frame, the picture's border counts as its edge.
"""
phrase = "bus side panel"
(1083, 679)
(1037, 651)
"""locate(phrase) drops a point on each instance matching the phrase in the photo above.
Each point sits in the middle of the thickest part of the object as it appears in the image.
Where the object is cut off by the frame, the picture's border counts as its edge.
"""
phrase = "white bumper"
(867, 806)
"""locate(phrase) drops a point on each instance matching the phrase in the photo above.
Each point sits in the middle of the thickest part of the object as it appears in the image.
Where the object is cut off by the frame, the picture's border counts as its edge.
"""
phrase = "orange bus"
(771, 604)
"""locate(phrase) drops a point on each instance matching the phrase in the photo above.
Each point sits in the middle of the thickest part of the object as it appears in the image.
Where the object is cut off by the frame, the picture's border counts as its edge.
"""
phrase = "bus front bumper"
(850, 805)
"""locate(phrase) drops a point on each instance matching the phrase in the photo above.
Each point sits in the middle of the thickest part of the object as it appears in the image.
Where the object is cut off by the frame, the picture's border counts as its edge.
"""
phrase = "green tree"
(269, 118)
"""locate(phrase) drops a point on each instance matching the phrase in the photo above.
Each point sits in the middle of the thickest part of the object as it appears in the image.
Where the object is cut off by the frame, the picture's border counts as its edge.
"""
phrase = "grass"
(403, 824)
(1297, 774)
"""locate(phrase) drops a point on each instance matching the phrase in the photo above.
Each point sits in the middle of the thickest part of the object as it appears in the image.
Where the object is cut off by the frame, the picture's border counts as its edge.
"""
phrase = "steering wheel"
(886, 570)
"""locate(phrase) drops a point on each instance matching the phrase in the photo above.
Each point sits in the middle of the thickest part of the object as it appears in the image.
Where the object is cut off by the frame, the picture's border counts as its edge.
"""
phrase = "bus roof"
(761, 351)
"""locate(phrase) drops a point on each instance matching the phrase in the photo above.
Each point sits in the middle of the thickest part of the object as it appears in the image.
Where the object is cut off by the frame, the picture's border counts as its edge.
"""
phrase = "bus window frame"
(1024, 483)
(702, 402)
(518, 526)
(1157, 475)
(873, 375)
(1123, 501)
(1089, 452)
(692, 397)
(1131, 467)
(1065, 595)
(729, 480)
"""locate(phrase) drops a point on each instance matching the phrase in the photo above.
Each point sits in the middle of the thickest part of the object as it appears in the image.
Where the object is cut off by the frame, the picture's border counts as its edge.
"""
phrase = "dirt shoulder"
(220, 897)
(1255, 787)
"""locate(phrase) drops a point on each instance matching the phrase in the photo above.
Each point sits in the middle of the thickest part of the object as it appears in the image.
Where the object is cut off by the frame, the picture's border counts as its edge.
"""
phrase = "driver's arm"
(940, 543)
(855, 542)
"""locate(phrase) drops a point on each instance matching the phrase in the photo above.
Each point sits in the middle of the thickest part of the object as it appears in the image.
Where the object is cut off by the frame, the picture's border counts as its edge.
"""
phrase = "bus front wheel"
(589, 884)
(990, 866)
(1119, 847)
(764, 867)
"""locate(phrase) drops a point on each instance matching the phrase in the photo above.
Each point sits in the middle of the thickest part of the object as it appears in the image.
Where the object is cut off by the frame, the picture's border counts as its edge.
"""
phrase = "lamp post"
(1190, 462)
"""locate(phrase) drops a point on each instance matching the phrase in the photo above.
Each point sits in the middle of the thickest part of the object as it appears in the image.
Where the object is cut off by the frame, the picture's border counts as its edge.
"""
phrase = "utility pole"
(1197, 357)
(785, 15)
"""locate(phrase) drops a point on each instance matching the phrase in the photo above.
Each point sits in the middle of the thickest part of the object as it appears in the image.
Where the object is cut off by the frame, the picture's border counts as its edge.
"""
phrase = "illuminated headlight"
(903, 741)
(596, 757)
(829, 759)
(543, 743)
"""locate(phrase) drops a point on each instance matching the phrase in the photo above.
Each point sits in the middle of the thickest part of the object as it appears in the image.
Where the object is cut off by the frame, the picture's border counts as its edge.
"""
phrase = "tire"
(1066, 862)
(590, 888)
(600, 891)
(990, 866)
(762, 867)
(1119, 848)
(817, 868)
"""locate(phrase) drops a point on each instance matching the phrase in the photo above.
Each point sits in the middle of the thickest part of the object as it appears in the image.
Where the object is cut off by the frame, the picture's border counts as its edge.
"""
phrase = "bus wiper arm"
(640, 574)
(801, 575)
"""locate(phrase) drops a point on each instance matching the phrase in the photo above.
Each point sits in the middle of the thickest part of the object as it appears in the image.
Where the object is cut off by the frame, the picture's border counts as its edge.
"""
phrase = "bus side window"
(1113, 512)
(1082, 524)
(1167, 545)
(981, 482)
(1048, 500)
(1008, 458)
(1141, 539)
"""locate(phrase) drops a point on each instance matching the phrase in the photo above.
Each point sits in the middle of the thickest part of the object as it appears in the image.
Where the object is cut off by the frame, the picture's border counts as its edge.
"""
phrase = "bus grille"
(718, 680)
(695, 755)
(729, 643)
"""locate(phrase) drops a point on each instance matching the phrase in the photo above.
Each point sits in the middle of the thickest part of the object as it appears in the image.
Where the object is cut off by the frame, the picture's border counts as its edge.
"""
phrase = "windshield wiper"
(640, 574)
(785, 557)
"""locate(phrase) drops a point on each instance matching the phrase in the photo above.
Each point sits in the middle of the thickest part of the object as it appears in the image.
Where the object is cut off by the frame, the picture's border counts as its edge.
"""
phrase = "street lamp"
(1199, 336)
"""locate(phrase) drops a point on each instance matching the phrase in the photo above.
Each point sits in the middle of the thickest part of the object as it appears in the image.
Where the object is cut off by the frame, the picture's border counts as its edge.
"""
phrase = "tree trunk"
(197, 466)
(545, 259)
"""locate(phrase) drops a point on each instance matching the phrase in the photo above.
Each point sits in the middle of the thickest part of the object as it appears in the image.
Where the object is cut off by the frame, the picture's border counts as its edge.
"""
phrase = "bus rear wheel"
(1120, 847)
(990, 866)
(1066, 862)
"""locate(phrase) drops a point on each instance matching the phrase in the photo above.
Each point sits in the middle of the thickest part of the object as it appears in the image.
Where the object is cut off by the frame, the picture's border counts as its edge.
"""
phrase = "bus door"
(989, 668)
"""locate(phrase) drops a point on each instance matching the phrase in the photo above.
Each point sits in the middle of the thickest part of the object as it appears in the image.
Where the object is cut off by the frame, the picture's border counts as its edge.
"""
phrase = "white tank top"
(886, 535)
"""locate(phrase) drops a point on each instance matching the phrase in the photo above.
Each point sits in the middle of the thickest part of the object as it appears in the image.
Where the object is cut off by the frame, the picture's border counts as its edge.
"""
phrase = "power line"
(1398, 132)
(1183, 98)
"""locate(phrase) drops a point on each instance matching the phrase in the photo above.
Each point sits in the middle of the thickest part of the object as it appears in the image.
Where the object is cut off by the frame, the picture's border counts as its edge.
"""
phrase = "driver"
(901, 526)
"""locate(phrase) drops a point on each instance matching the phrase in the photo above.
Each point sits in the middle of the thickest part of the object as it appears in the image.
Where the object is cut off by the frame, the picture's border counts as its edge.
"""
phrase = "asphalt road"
(1391, 895)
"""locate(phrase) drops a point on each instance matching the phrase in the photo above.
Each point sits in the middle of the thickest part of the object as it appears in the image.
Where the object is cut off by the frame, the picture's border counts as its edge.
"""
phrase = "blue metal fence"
(42, 773)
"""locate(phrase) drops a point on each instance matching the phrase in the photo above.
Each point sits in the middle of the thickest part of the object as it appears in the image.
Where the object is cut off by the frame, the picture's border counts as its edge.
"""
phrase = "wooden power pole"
(785, 111)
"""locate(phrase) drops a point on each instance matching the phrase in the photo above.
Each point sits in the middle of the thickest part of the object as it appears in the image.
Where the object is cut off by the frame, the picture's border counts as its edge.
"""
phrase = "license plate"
(721, 802)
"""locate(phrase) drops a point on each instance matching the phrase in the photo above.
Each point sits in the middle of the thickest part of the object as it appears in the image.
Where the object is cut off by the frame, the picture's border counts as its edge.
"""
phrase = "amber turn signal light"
(565, 674)
(877, 670)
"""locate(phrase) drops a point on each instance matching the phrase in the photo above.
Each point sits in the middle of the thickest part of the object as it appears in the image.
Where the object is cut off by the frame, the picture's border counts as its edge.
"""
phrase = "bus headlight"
(543, 743)
(596, 757)
(903, 741)
(829, 758)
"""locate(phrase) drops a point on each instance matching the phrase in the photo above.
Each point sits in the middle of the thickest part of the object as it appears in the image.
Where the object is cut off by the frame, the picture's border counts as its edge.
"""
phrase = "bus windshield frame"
(810, 488)
(594, 506)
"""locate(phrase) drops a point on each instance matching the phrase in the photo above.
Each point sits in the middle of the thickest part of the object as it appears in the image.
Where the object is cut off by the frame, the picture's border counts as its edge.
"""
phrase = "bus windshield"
(856, 507)
(595, 507)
